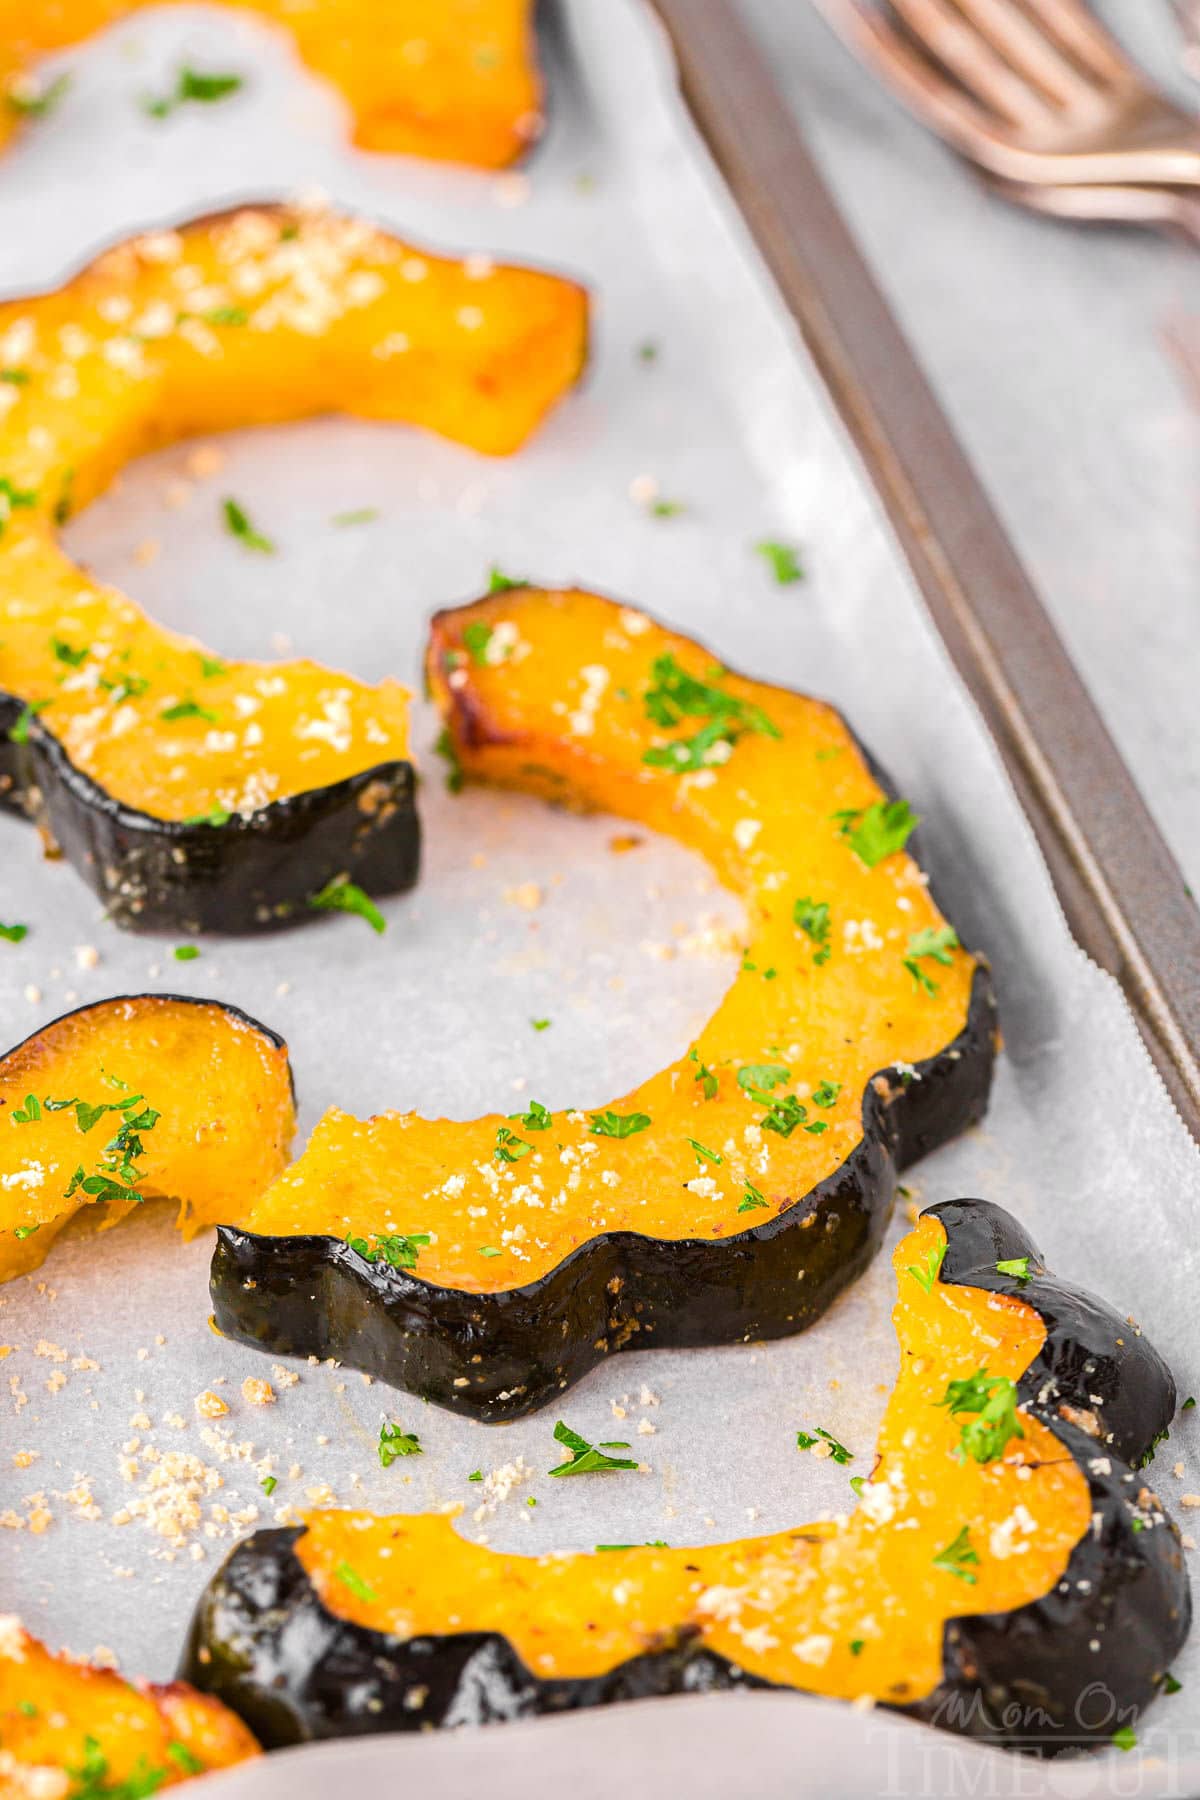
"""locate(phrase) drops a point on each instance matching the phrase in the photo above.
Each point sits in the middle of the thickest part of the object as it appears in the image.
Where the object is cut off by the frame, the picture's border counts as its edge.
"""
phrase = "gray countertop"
(1049, 346)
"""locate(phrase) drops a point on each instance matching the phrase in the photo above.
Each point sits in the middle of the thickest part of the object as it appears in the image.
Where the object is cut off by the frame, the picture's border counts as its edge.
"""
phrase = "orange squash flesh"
(554, 703)
(849, 1607)
(454, 80)
(220, 1085)
(57, 1715)
(328, 315)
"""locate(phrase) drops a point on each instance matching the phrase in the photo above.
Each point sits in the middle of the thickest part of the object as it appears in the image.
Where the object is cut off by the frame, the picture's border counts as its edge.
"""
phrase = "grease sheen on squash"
(56, 1713)
(219, 1082)
(328, 314)
(545, 691)
(455, 80)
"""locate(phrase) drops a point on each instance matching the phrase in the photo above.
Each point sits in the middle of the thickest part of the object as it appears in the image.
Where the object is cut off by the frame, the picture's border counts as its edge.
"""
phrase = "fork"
(1038, 93)
(1171, 209)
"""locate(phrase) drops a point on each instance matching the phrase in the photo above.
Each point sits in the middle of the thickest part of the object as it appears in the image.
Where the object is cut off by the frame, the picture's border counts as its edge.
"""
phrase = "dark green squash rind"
(498, 1356)
(248, 875)
(263, 1643)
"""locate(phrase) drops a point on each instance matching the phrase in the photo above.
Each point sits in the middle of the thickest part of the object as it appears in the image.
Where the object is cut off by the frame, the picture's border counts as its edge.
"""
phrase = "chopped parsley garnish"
(1125, 1738)
(394, 1442)
(475, 1475)
(785, 1115)
(751, 1199)
(69, 654)
(489, 1250)
(19, 731)
(126, 687)
(666, 509)
(445, 748)
(617, 1125)
(399, 1250)
(188, 709)
(268, 1484)
(826, 1092)
(30, 1113)
(185, 952)
(13, 934)
(926, 1272)
(477, 635)
(28, 1710)
(540, 1024)
(21, 1232)
(650, 1544)
(856, 1646)
(1170, 1685)
(350, 1577)
(676, 695)
(838, 1452)
(500, 583)
(783, 560)
(759, 1079)
(994, 1399)
(192, 85)
(648, 351)
(937, 945)
(857, 1484)
(343, 895)
(39, 102)
(538, 1117)
(812, 918)
(186, 1759)
(227, 315)
(1188, 1404)
(238, 525)
(11, 497)
(958, 1558)
(1160, 1437)
(875, 832)
(585, 1458)
(90, 1779)
(1017, 1266)
(509, 1147)
(705, 1076)
(211, 666)
(216, 815)
(705, 1154)
(15, 377)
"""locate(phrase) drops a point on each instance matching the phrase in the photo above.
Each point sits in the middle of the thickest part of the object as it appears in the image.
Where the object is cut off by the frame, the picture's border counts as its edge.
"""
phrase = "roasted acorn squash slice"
(487, 1264)
(456, 80)
(69, 1728)
(1004, 1562)
(193, 793)
(145, 1098)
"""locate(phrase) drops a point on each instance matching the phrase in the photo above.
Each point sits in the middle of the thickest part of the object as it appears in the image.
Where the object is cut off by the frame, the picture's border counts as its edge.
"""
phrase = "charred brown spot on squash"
(453, 80)
(768, 1102)
(138, 1099)
(852, 1607)
(333, 316)
(57, 1714)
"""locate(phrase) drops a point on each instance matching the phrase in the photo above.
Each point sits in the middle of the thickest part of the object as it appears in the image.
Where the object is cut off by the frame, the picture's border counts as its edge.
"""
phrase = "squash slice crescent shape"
(191, 793)
(1007, 1572)
(488, 1264)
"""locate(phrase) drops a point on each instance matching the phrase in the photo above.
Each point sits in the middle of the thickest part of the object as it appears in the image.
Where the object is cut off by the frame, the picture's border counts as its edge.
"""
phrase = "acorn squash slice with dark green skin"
(191, 792)
(487, 1264)
(145, 1097)
(1006, 1572)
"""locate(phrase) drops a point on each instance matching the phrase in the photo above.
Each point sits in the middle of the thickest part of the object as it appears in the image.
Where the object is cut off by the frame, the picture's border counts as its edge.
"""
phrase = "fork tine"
(944, 108)
(955, 41)
(1080, 32)
(1030, 50)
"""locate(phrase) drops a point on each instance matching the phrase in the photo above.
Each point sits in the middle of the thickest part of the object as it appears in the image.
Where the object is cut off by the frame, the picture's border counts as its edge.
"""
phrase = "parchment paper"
(729, 418)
